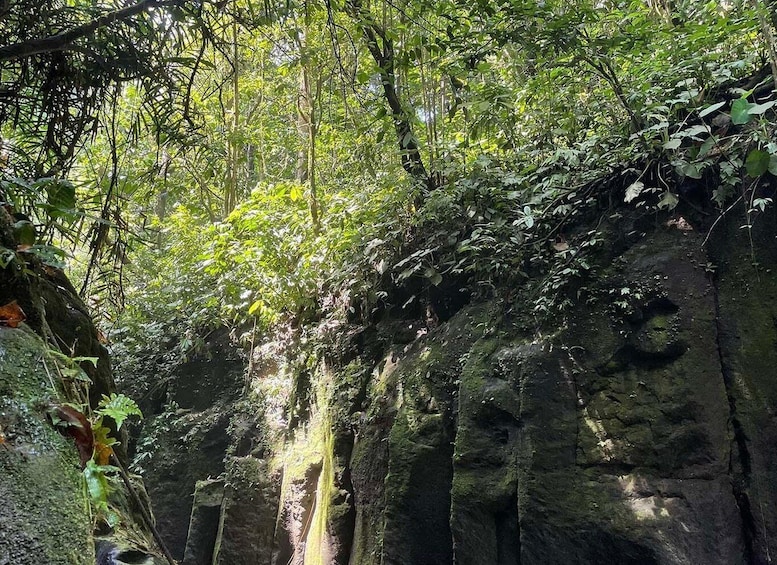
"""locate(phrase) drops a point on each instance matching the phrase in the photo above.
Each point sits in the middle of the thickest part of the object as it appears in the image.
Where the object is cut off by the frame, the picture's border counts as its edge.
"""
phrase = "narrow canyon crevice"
(739, 458)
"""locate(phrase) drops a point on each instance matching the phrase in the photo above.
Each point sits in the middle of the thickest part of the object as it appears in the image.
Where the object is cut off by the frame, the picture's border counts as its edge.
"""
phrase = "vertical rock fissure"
(742, 455)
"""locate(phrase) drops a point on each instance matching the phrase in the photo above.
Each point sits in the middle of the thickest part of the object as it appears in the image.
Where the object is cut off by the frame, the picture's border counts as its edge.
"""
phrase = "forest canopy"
(206, 163)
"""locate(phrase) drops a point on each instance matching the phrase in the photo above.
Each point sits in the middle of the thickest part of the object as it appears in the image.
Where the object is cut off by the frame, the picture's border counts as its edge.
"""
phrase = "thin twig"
(144, 512)
(722, 215)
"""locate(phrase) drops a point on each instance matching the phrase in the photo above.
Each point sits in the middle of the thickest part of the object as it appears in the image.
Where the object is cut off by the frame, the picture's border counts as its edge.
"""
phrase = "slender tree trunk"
(303, 120)
(381, 48)
(233, 145)
(307, 127)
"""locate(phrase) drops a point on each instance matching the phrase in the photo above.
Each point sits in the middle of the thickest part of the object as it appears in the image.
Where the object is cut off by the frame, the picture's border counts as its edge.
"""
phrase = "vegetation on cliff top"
(206, 164)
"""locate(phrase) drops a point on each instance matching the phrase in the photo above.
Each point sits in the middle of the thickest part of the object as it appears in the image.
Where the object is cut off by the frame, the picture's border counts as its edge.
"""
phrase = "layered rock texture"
(640, 429)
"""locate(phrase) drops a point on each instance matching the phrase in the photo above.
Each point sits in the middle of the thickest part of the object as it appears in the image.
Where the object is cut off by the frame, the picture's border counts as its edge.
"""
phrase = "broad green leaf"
(773, 165)
(668, 201)
(24, 232)
(709, 109)
(257, 306)
(694, 131)
(691, 170)
(673, 144)
(740, 111)
(97, 484)
(757, 162)
(61, 197)
(99, 489)
(296, 193)
(758, 109)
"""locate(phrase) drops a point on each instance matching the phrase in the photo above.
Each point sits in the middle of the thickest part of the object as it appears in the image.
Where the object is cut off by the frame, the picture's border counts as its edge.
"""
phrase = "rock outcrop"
(45, 515)
(638, 430)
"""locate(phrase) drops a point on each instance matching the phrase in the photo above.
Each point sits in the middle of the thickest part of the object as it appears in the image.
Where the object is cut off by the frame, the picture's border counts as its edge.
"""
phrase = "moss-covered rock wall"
(638, 430)
(44, 514)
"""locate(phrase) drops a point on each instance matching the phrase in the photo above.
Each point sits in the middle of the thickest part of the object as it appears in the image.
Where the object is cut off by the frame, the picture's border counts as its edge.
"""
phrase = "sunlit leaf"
(118, 407)
(673, 144)
(709, 109)
(633, 191)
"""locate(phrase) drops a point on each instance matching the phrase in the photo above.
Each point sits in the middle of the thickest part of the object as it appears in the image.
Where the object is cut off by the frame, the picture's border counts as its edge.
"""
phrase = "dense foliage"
(283, 163)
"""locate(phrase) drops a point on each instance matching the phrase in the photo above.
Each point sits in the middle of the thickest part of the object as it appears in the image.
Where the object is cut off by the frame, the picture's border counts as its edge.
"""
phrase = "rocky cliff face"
(45, 515)
(640, 430)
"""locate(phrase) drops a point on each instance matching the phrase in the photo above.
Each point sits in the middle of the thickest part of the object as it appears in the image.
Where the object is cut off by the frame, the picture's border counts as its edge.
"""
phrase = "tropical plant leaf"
(757, 162)
(740, 111)
(758, 109)
(709, 109)
(118, 407)
(673, 144)
(71, 422)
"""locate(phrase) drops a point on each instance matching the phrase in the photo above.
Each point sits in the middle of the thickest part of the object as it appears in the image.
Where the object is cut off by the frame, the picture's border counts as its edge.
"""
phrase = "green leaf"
(668, 201)
(434, 277)
(691, 170)
(758, 109)
(118, 407)
(709, 109)
(76, 374)
(673, 144)
(757, 162)
(92, 360)
(97, 484)
(694, 131)
(99, 489)
(773, 165)
(362, 76)
(24, 232)
(708, 144)
(740, 111)
(257, 306)
(61, 197)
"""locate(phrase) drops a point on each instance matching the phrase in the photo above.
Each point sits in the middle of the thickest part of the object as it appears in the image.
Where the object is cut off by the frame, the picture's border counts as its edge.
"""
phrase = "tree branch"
(63, 41)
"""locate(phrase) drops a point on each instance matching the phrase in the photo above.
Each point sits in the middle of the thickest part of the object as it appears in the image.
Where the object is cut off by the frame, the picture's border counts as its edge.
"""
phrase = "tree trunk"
(307, 128)
(233, 145)
(381, 48)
